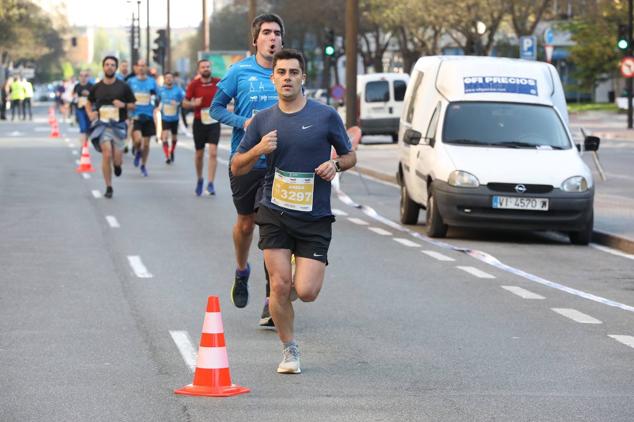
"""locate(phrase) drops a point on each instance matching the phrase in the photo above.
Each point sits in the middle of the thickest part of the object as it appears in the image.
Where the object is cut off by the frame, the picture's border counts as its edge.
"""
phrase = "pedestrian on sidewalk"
(17, 96)
(294, 216)
(28, 96)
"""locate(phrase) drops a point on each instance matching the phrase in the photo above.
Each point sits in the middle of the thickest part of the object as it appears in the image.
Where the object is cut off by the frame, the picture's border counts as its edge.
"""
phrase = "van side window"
(377, 92)
(433, 123)
(418, 78)
(399, 90)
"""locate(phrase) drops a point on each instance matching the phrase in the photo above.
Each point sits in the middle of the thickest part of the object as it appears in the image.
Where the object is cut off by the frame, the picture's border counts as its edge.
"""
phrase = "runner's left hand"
(326, 171)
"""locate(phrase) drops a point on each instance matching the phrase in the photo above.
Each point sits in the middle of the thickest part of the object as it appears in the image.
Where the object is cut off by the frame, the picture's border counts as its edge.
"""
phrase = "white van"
(380, 97)
(484, 142)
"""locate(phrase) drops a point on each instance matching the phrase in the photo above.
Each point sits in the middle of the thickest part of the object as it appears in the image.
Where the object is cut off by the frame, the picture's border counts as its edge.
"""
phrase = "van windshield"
(504, 125)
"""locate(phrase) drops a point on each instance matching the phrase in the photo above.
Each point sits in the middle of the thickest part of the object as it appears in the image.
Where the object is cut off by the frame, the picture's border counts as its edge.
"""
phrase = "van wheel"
(394, 138)
(435, 227)
(584, 236)
(408, 209)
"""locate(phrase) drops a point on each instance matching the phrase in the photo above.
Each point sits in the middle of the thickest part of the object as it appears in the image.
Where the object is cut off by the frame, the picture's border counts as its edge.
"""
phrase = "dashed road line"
(138, 267)
(438, 256)
(380, 231)
(576, 316)
(358, 221)
(85, 176)
(407, 242)
(475, 272)
(74, 152)
(336, 211)
(185, 347)
(77, 162)
(523, 293)
(626, 340)
(96, 194)
(112, 221)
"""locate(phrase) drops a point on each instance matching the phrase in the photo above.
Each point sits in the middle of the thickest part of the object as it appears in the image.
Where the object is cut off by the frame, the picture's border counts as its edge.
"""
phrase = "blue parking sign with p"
(528, 47)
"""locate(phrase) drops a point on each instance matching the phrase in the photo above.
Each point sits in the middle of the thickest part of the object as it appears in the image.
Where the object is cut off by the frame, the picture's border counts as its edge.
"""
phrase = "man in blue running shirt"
(144, 89)
(170, 97)
(294, 216)
(248, 84)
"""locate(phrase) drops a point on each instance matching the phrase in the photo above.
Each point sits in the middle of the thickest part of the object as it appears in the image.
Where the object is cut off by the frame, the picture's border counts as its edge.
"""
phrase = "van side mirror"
(591, 143)
(412, 137)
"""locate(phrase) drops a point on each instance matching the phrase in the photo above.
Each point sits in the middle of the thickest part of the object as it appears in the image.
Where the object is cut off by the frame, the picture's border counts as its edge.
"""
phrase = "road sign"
(528, 47)
(627, 67)
(549, 36)
(337, 92)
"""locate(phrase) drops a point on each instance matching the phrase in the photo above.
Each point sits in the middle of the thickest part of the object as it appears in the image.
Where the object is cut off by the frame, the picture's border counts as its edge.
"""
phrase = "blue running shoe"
(137, 158)
(199, 187)
(210, 188)
(143, 171)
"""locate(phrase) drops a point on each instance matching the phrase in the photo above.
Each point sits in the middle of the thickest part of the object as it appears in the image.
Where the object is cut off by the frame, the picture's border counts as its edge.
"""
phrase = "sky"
(108, 13)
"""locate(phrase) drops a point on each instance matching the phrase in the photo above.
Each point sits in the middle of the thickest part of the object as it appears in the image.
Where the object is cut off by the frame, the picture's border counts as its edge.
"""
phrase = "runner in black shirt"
(80, 96)
(107, 107)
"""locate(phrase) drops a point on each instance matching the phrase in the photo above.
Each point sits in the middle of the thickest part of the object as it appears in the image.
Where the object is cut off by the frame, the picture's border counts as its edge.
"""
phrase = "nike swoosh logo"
(317, 256)
(306, 127)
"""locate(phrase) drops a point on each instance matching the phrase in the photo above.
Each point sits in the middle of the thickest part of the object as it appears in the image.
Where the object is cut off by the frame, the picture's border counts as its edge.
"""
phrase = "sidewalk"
(614, 198)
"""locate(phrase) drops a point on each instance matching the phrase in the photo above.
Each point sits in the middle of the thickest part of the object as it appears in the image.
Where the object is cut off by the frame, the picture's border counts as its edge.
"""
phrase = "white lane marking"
(336, 211)
(41, 129)
(358, 221)
(138, 267)
(185, 347)
(611, 251)
(576, 316)
(523, 293)
(626, 340)
(77, 162)
(223, 161)
(85, 175)
(112, 220)
(74, 152)
(438, 256)
(96, 194)
(380, 231)
(476, 254)
(407, 242)
(475, 272)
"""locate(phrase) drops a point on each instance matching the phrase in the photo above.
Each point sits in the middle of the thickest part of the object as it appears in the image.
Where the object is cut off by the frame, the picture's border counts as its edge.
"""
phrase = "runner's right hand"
(268, 143)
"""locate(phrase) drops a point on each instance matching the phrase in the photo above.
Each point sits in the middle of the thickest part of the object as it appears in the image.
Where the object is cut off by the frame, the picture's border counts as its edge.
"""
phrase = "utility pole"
(352, 28)
(252, 11)
(168, 43)
(205, 27)
(147, 32)
(629, 53)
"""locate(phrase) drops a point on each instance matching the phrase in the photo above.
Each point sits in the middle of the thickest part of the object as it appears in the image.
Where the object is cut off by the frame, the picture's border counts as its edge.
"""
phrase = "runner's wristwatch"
(337, 166)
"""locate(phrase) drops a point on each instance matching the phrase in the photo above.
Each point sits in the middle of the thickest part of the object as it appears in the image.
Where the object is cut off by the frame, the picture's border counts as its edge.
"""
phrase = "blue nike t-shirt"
(143, 90)
(304, 142)
(171, 97)
(249, 84)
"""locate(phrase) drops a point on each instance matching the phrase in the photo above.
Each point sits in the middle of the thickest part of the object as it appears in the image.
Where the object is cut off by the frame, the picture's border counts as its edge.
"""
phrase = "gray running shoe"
(266, 320)
(290, 362)
(240, 289)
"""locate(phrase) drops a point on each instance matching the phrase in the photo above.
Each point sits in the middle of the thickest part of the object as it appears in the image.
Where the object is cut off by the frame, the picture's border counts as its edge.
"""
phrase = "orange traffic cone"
(212, 376)
(85, 166)
(55, 130)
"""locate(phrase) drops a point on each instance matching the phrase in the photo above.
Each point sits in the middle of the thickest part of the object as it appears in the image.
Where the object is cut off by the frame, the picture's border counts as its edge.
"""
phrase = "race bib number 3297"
(293, 191)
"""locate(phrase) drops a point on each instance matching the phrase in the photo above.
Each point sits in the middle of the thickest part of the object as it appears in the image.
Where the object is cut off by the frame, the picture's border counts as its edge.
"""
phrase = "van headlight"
(575, 184)
(462, 179)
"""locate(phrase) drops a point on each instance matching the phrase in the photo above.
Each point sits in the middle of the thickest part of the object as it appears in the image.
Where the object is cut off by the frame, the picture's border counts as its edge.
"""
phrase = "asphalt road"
(405, 329)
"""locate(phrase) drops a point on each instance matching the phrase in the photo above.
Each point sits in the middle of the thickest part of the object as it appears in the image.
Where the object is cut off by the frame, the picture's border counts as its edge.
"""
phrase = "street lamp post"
(147, 31)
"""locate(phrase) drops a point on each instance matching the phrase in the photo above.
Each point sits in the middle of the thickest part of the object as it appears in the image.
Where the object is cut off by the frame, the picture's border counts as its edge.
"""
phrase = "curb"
(611, 240)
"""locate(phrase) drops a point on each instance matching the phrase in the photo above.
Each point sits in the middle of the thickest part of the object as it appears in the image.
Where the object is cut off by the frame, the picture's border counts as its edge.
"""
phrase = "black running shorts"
(172, 126)
(247, 190)
(145, 126)
(306, 239)
(205, 134)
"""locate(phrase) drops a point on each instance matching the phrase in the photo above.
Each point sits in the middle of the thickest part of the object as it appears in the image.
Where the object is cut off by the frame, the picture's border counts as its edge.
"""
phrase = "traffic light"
(329, 44)
(623, 40)
(161, 43)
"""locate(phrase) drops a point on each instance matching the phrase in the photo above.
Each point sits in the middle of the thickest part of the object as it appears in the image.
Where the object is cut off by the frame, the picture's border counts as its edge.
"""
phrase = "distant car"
(44, 92)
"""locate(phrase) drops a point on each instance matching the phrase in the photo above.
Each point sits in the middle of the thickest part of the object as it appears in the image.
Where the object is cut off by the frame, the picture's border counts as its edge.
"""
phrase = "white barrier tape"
(479, 255)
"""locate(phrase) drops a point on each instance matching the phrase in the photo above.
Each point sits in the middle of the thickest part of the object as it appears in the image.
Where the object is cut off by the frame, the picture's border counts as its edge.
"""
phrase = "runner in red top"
(199, 95)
